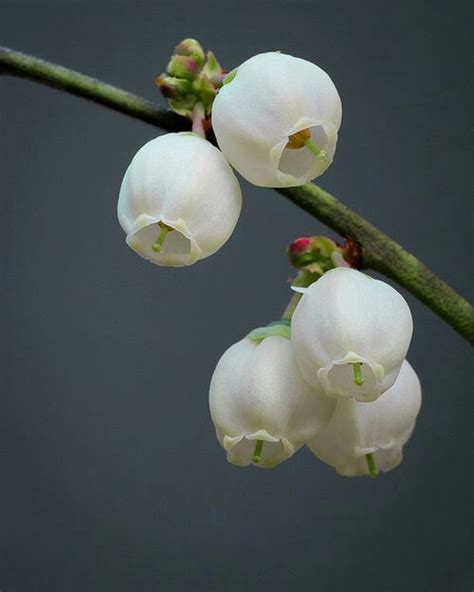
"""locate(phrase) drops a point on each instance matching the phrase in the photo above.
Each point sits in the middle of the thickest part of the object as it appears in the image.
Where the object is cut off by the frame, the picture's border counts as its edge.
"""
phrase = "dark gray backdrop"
(111, 477)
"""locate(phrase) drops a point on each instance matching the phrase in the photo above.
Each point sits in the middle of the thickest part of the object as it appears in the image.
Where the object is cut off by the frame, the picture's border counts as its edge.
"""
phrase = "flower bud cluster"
(337, 380)
(317, 254)
(191, 77)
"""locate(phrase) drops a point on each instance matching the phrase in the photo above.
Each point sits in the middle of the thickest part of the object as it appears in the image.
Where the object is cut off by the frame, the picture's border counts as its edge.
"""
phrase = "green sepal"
(281, 328)
(230, 76)
(183, 106)
(306, 278)
(280, 322)
(325, 245)
(212, 70)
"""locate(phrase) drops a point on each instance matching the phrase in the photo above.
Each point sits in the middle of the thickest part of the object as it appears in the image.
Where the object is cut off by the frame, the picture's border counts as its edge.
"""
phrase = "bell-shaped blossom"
(366, 438)
(276, 119)
(179, 200)
(351, 333)
(262, 409)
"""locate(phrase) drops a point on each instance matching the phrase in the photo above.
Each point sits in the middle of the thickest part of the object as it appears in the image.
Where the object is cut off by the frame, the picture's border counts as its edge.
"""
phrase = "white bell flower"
(179, 200)
(351, 333)
(366, 438)
(262, 409)
(276, 119)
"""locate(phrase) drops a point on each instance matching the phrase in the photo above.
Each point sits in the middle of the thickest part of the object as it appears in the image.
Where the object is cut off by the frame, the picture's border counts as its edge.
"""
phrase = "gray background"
(111, 477)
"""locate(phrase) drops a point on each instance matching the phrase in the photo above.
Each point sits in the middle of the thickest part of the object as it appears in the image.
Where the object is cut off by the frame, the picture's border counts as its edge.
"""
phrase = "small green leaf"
(230, 76)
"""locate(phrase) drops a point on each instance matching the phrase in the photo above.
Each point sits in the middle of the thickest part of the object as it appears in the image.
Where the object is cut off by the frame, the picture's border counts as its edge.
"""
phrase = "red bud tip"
(300, 245)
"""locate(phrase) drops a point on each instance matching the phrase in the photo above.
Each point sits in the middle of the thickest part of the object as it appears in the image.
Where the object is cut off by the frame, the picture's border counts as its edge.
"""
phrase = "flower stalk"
(199, 116)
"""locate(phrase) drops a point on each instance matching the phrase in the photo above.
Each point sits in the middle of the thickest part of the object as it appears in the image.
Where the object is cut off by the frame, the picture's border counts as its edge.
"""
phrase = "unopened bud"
(192, 48)
(213, 70)
(192, 77)
(173, 88)
(300, 245)
(183, 67)
(205, 90)
(312, 253)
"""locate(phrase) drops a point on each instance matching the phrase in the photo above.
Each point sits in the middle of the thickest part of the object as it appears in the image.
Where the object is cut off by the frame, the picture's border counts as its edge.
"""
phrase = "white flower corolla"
(262, 409)
(366, 438)
(351, 333)
(179, 200)
(277, 119)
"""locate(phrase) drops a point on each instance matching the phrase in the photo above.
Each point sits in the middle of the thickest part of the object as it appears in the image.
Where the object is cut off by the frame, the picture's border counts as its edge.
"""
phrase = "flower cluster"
(276, 120)
(337, 380)
(332, 373)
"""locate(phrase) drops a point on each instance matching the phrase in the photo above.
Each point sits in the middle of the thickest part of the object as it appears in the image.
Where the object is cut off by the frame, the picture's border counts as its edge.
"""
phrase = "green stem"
(291, 307)
(303, 280)
(379, 252)
(199, 115)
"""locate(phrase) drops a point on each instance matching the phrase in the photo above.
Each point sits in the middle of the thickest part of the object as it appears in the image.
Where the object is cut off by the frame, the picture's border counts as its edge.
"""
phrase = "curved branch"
(19, 64)
(379, 252)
